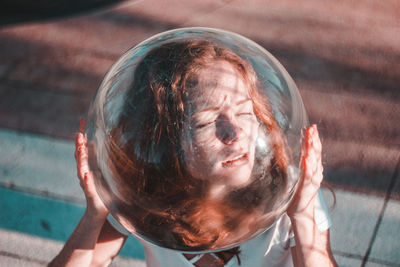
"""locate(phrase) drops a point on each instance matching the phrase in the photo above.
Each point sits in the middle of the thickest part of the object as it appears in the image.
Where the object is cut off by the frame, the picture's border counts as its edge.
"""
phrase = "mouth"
(236, 161)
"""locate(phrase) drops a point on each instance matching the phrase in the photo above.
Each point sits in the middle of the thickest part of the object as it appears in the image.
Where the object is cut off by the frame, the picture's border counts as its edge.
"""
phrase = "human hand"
(94, 205)
(310, 175)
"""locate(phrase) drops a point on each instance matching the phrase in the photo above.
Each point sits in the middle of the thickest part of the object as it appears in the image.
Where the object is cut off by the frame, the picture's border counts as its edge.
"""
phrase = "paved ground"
(343, 55)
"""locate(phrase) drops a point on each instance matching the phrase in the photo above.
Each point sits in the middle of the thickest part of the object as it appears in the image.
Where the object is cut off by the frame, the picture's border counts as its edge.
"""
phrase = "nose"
(227, 130)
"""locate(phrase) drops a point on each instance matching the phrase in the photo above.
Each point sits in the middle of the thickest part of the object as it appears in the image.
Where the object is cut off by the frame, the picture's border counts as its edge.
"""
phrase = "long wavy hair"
(154, 190)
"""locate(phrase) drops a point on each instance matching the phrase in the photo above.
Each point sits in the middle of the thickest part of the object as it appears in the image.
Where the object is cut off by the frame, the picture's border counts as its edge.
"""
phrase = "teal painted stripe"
(48, 218)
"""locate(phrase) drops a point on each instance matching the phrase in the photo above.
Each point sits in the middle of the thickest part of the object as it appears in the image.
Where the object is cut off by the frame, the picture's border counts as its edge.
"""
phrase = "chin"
(239, 178)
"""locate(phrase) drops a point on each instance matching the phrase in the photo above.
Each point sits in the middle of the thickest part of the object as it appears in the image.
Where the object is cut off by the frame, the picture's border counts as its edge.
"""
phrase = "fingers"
(311, 163)
(310, 173)
(81, 137)
(81, 156)
(81, 152)
(80, 142)
(88, 184)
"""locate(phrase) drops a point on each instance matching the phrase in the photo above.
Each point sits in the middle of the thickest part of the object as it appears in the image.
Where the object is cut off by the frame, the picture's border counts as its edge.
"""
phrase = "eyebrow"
(216, 108)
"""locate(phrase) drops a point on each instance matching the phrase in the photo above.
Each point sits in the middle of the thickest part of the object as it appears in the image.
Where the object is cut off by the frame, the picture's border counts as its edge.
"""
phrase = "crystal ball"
(194, 139)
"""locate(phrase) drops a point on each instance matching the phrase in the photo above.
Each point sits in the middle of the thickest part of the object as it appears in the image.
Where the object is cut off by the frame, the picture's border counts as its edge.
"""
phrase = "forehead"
(217, 82)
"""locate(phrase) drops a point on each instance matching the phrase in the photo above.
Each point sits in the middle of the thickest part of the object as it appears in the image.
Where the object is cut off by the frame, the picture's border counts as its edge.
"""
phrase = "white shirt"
(271, 248)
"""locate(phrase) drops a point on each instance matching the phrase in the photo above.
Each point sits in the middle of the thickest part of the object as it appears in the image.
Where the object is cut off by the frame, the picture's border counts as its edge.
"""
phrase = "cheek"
(251, 129)
(205, 141)
(201, 154)
(255, 130)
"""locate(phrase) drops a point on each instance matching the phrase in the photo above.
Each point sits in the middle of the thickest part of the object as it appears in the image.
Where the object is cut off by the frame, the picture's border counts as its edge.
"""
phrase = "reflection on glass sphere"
(194, 139)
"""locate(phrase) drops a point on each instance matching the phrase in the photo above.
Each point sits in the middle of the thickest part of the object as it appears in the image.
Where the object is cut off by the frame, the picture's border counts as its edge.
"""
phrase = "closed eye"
(202, 125)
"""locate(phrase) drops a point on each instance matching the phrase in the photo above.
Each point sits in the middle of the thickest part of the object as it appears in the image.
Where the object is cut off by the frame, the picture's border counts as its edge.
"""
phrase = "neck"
(217, 192)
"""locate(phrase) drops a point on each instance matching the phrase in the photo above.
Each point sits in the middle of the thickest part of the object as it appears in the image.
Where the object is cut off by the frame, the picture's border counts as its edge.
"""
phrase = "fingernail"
(82, 123)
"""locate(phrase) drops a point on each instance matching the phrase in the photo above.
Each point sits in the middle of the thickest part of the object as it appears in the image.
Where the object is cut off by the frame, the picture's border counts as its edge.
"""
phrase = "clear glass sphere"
(194, 139)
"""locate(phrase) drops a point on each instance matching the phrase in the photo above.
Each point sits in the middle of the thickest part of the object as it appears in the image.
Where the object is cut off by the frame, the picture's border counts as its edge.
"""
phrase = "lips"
(236, 160)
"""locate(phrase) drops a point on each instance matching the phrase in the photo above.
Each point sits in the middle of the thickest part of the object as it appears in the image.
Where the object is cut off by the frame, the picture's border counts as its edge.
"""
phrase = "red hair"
(153, 188)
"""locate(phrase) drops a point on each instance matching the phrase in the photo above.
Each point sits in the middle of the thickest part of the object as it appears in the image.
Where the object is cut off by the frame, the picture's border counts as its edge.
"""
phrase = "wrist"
(304, 216)
(96, 209)
(95, 216)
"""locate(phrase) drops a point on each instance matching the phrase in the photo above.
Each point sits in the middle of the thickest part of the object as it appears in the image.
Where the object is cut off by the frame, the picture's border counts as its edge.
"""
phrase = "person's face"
(221, 127)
